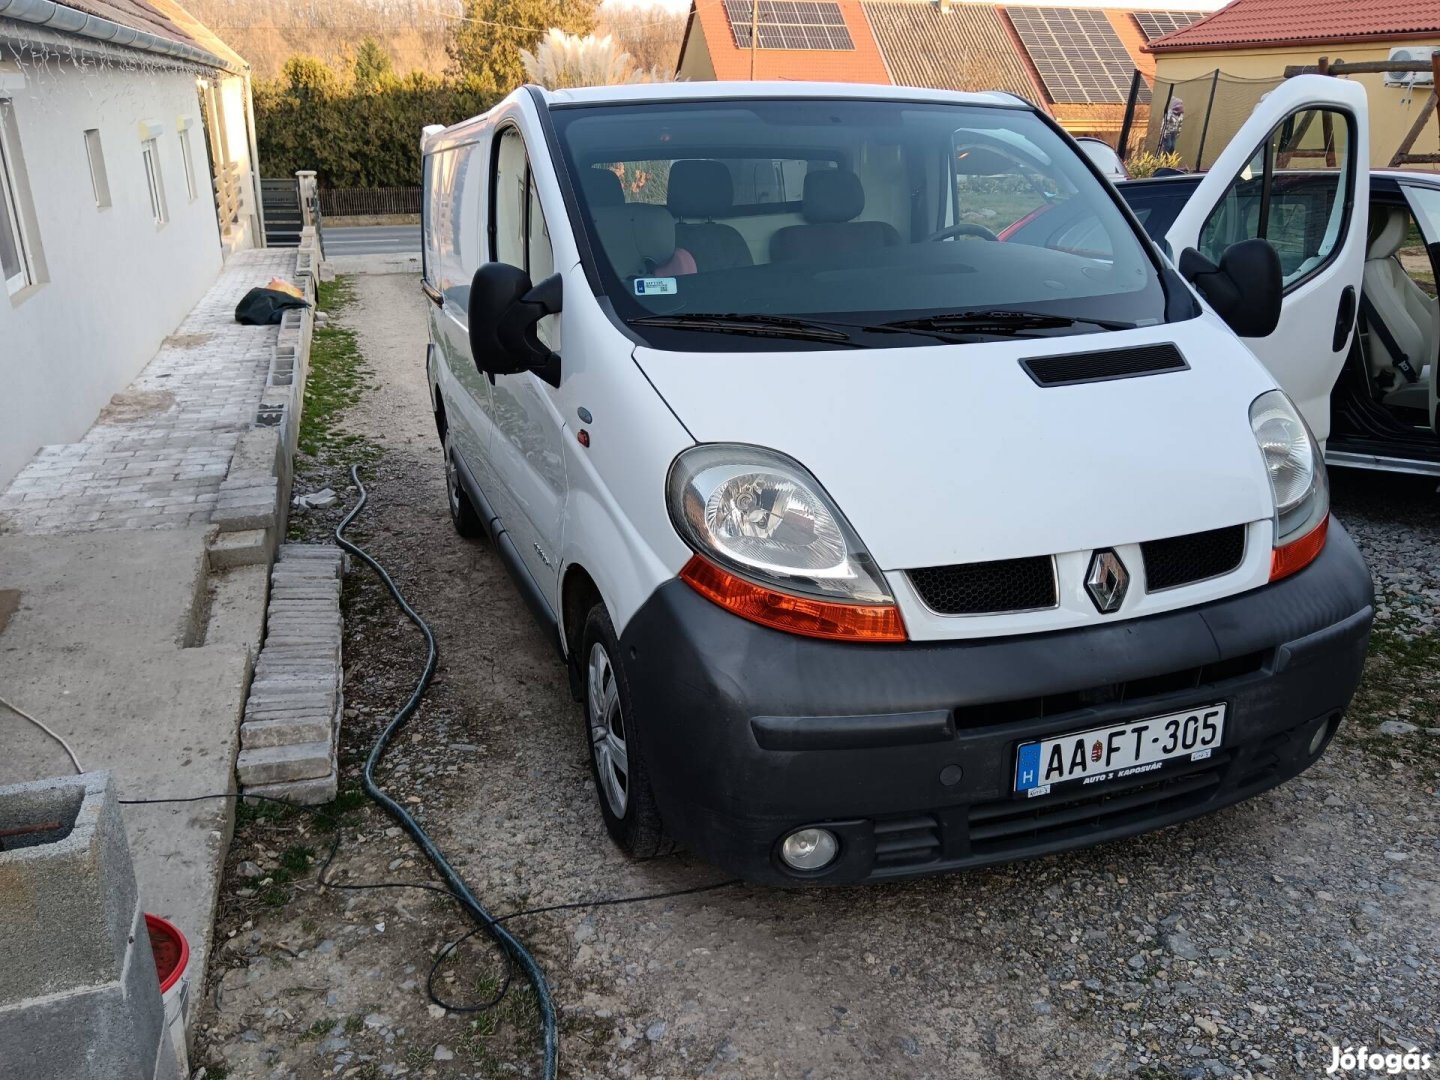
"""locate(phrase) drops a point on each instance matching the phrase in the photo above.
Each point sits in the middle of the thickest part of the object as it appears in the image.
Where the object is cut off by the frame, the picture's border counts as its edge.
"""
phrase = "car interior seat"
(1411, 318)
(639, 241)
(832, 200)
(701, 191)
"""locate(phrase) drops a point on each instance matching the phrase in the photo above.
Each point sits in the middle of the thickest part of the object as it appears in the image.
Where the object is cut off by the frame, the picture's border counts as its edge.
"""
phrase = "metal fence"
(359, 202)
(1212, 107)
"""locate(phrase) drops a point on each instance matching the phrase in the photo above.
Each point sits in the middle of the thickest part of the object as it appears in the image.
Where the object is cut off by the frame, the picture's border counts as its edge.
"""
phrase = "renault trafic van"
(883, 534)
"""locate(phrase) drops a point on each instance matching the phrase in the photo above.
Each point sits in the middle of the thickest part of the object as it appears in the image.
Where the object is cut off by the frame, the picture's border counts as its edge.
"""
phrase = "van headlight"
(771, 546)
(1298, 483)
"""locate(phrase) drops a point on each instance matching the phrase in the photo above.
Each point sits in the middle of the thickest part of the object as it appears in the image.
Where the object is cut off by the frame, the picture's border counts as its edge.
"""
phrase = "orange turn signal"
(795, 614)
(1298, 554)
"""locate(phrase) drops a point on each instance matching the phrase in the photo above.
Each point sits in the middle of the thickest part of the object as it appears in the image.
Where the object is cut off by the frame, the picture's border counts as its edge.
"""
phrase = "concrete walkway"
(119, 626)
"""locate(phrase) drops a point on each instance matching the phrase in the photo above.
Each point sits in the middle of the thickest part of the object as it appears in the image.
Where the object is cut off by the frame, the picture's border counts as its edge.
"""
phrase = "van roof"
(639, 93)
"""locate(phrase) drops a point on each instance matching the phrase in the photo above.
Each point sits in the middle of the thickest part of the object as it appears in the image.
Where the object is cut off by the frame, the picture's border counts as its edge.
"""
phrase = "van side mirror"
(1245, 290)
(505, 310)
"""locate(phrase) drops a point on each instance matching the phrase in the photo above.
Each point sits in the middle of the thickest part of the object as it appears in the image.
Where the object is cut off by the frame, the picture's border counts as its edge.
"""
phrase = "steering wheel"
(965, 228)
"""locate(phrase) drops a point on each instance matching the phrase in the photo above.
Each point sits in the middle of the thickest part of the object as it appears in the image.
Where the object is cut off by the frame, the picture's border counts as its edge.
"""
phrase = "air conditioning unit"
(1416, 54)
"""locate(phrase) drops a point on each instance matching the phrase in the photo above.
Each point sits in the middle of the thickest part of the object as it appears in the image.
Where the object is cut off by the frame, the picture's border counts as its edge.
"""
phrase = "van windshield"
(947, 221)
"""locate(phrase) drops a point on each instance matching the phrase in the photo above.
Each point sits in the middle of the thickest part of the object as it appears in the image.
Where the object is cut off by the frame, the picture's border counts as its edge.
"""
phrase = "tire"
(462, 512)
(617, 759)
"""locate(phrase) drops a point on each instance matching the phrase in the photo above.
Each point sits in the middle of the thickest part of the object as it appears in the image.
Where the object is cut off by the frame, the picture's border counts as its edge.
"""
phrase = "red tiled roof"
(1258, 23)
(861, 64)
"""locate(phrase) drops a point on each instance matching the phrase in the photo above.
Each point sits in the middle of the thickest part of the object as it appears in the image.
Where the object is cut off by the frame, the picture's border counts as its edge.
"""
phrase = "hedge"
(356, 137)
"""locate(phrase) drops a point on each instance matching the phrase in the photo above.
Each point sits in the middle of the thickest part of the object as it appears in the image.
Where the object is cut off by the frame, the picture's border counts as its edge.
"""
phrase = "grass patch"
(338, 376)
(316, 1031)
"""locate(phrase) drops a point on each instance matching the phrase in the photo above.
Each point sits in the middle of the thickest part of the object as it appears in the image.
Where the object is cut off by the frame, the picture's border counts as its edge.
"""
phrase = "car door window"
(1294, 191)
(512, 177)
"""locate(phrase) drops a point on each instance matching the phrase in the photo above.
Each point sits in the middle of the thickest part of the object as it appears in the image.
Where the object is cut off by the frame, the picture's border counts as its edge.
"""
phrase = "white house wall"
(115, 284)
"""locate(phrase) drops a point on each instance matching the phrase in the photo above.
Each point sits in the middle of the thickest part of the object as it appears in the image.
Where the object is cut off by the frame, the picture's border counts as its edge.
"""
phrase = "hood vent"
(1091, 367)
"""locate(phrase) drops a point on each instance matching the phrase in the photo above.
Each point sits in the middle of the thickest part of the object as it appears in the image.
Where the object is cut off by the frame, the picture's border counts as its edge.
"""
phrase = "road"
(372, 240)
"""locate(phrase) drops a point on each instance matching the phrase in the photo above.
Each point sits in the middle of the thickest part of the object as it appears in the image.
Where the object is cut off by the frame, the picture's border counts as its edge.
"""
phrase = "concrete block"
(257, 451)
(239, 517)
(311, 727)
(67, 896)
(250, 547)
(272, 764)
(79, 997)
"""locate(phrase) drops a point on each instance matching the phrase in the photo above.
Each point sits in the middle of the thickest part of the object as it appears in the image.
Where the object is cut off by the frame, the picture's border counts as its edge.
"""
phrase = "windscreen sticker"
(655, 286)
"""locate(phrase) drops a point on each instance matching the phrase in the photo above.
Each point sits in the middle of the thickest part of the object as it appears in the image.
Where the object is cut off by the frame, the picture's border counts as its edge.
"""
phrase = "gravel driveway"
(1243, 944)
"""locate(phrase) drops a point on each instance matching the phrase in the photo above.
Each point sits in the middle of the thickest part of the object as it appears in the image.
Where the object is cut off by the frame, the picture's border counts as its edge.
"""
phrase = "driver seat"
(1411, 317)
(832, 199)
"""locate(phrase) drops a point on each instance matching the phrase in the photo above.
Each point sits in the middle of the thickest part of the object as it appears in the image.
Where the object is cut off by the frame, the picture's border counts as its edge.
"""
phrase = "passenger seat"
(704, 190)
(1410, 315)
(833, 198)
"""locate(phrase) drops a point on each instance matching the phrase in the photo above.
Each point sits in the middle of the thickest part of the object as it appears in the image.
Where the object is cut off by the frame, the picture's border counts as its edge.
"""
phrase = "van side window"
(521, 236)
(1292, 192)
(511, 177)
(541, 261)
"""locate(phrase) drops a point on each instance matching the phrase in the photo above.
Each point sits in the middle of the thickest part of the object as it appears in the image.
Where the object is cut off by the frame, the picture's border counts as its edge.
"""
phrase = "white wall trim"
(150, 129)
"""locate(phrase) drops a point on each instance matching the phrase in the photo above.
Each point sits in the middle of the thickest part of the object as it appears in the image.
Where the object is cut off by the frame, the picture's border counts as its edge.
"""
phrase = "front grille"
(987, 588)
(1091, 367)
(1181, 560)
(1037, 708)
(907, 841)
(1014, 824)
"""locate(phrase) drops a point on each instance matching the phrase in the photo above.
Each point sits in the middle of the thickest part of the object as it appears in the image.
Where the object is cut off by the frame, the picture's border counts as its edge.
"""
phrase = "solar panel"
(1078, 55)
(1154, 24)
(789, 24)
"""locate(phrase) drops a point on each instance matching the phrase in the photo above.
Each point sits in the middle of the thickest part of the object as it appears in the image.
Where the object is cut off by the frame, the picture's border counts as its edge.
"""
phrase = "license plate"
(1110, 753)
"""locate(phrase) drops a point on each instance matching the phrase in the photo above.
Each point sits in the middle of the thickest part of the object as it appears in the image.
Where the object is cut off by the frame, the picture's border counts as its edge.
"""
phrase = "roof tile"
(1257, 23)
(965, 48)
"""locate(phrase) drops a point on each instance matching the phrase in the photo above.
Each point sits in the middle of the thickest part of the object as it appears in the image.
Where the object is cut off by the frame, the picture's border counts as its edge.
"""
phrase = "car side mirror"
(1245, 290)
(505, 312)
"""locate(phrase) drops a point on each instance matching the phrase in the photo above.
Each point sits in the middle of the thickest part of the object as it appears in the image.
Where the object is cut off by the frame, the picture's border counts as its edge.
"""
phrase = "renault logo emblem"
(1107, 581)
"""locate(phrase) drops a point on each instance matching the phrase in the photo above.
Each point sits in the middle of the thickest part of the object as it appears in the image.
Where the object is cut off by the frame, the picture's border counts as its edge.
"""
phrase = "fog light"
(809, 849)
(1318, 739)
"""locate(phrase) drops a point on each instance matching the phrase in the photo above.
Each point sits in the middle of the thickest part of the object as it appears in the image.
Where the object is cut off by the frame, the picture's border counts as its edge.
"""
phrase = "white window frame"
(154, 181)
(14, 220)
(99, 178)
(187, 155)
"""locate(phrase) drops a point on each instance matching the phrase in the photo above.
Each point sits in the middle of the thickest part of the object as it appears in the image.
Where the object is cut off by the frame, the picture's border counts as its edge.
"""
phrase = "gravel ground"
(1244, 944)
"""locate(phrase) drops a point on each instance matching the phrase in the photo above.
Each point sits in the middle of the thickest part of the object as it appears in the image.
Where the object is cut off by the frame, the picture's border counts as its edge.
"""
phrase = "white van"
(878, 540)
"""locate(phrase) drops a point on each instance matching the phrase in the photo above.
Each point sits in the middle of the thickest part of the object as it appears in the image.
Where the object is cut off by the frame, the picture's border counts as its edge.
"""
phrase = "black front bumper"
(907, 752)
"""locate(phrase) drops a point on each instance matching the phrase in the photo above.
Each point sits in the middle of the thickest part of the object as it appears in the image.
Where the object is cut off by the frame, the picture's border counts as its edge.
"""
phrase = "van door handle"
(1344, 319)
(436, 296)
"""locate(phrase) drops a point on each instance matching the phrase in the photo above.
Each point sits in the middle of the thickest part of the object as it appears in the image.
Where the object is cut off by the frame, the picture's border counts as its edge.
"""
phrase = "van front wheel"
(617, 762)
(462, 511)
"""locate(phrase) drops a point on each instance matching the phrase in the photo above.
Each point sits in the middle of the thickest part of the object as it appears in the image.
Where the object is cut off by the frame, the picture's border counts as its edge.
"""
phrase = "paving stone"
(273, 764)
(305, 792)
(312, 728)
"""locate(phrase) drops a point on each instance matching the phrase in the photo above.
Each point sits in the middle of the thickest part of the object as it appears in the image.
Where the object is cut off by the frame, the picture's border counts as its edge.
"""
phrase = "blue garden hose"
(503, 937)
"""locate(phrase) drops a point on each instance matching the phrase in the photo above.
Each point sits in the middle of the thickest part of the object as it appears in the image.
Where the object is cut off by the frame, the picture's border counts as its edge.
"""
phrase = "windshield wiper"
(748, 323)
(1003, 321)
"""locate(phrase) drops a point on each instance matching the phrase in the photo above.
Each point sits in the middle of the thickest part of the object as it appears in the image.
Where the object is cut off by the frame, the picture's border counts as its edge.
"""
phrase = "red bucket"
(172, 958)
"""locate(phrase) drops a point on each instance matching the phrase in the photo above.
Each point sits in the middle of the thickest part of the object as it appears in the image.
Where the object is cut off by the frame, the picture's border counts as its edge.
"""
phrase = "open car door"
(1296, 174)
(1424, 200)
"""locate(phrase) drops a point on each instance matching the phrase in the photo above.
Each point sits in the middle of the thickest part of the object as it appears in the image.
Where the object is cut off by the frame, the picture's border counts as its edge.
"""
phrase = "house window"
(15, 264)
(99, 182)
(188, 159)
(150, 151)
